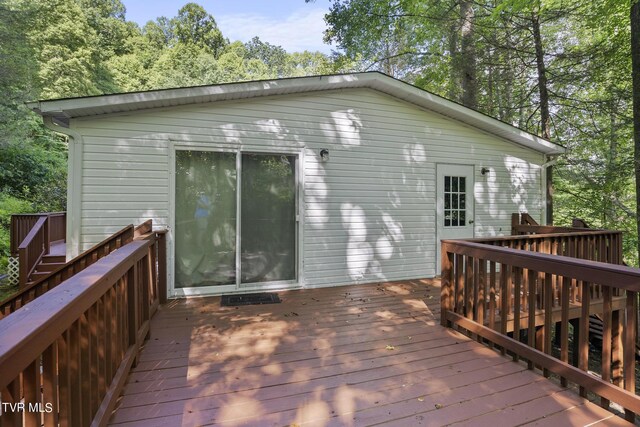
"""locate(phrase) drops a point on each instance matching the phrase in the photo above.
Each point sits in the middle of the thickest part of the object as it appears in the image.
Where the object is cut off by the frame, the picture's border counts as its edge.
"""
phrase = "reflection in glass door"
(268, 227)
(207, 219)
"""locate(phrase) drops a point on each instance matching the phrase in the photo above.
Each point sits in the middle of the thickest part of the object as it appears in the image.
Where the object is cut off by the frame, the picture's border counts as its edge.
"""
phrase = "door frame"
(238, 287)
(440, 204)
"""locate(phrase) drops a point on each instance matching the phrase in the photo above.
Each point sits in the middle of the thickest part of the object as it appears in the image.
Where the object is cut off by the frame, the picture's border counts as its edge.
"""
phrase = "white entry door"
(454, 204)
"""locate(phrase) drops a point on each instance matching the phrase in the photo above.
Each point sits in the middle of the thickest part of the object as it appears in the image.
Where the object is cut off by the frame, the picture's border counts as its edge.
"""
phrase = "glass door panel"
(205, 219)
(268, 218)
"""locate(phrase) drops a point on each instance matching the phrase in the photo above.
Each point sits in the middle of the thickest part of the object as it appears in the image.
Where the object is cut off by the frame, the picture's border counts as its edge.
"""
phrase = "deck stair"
(37, 239)
(50, 262)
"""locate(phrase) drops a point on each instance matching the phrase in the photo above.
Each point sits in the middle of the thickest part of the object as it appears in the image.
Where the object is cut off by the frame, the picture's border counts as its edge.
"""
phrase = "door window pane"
(205, 229)
(455, 201)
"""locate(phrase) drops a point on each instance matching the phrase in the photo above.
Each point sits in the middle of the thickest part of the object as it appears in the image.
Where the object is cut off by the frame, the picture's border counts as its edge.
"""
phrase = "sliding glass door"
(235, 219)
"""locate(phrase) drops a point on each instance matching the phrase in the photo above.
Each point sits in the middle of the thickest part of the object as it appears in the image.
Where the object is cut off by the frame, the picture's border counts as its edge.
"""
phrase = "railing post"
(515, 221)
(23, 266)
(47, 234)
(162, 267)
(132, 303)
(445, 284)
(630, 348)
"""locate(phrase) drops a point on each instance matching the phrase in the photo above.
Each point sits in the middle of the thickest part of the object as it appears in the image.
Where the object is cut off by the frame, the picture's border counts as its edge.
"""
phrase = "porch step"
(37, 275)
(50, 259)
(48, 267)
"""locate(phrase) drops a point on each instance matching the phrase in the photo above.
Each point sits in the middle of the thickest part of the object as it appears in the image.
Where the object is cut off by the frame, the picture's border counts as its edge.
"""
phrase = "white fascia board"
(74, 107)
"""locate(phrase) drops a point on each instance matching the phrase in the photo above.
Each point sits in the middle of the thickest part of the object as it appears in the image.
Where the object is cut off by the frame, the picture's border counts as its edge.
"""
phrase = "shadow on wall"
(370, 209)
(513, 185)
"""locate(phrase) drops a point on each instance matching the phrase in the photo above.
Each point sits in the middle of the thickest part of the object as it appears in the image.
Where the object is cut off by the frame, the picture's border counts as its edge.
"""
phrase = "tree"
(635, 74)
(194, 25)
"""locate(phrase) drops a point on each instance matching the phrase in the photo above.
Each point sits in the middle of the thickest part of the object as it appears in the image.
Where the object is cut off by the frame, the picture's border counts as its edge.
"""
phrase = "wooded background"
(561, 69)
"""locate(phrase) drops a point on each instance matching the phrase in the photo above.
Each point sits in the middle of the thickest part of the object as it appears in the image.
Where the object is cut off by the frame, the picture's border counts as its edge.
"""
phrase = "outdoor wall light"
(484, 171)
(324, 155)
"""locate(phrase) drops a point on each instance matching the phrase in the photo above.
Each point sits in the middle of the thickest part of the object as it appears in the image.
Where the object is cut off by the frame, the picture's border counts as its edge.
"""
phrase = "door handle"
(471, 221)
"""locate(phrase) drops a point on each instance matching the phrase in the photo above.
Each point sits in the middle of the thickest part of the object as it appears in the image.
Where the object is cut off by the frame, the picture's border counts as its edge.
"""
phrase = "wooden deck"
(352, 356)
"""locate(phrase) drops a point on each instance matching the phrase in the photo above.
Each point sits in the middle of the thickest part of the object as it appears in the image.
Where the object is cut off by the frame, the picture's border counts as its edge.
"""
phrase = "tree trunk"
(468, 55)
(545, 120)
(635, 73)
(455, 63)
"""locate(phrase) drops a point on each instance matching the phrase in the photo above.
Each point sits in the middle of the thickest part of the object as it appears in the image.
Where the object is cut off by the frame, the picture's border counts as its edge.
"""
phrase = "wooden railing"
(524, 224)
(31, 237)
(66, 357)
(595, 245)
(21, 225)
(72, 267)
(34, 246)
(511, 291)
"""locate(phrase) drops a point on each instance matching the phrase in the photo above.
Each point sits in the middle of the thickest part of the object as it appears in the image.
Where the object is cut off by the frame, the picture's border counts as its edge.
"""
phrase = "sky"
(292, 24)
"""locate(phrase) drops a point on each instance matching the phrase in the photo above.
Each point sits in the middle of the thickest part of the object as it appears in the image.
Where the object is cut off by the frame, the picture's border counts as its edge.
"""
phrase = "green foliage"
(194, 26)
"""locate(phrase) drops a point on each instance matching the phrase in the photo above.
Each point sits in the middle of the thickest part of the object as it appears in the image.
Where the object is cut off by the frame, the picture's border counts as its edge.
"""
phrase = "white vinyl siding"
(369, 212)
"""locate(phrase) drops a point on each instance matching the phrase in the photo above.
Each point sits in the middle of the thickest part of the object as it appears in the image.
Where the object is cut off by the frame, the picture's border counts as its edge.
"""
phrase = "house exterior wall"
(368, 213)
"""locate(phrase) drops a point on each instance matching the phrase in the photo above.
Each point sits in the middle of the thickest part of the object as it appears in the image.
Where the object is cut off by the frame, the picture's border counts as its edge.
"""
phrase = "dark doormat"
(248, 299)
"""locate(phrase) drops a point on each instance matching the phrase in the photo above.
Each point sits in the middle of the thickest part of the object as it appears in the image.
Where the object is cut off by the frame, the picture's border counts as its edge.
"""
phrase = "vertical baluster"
(162, 267)
(583, 337)
(64, 379)
(146, 287)
(531, 303)
(50, 374)
(110, 327)
(459, 283)
(123, 335)
(616, 348)
(85, 369)
(564, 323)
(553, 250)
(548, 315)
(492, 296)
(517, 273)
(482, 292)
(469, 290)
(94, 360)
(505, 283)
(607, 336)
(102, 347)
(153, 290)
(630, 348)
(75, 382)
(32, 395)
(446, 285)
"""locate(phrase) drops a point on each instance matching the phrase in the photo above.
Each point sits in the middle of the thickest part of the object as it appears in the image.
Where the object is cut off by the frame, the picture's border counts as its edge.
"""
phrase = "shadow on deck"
(358, 355)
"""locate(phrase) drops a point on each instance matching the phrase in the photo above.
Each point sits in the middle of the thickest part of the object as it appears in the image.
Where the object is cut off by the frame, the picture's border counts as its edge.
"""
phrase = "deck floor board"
(359, 355)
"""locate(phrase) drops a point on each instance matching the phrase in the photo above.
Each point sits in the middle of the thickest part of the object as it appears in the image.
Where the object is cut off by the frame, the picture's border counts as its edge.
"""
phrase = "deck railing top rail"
(618, 276)
(546, 235)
